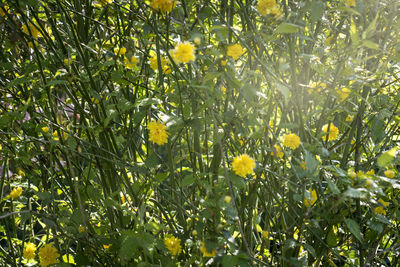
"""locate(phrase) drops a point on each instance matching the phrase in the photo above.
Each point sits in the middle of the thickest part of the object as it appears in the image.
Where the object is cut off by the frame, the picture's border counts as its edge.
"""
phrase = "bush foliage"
(199, 133)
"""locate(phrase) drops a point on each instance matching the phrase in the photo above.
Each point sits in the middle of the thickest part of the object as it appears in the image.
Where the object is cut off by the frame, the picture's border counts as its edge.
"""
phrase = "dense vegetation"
(199, 133)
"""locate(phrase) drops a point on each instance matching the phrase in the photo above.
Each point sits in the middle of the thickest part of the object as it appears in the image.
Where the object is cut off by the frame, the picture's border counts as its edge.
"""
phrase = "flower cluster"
(158, 133)
(48, 255)
(164, 64)
(16, 193)
(130, 63)
(381, 208)
(184, 52)
(243, 165)
(29, 252)
(266, 7)
(163, 5)
(173, 244)
(235, 51)
(291, 140)
(333, 132)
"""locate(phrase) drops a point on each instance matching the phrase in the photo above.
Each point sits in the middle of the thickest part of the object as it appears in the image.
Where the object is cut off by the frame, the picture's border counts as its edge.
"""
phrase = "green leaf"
(228, 261)
(370, 44)
(355, 193)
(332, 186)
(128, 248)
(287, 28)
(387, 157)
(316, 11)
(188, 180)
(354, 33)
(151, 161)
(354, 228)
(283, 89)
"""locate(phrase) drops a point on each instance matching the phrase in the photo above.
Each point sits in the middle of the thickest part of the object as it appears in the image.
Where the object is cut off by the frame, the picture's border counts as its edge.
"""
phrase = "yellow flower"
(197, 40)
(380, 210)
(264, 234)
(107, 246)
(29, 251)
(315, 87)
(184, 52)
(349, 118)
(203, 250)
(163, 5)
(158, 133)
(266, 7)
(16, 193)
(35, 32)
(303, 165)
(173, 244)
(227, 199)
(343, 93)
(224, 62)
(291, 140)
(235, 51)
(243, 165)
(351, 173)
(370, 172)
(45, 129)
(4, 11)
(120, 51)
(81, 229)
(48, 255)
(350, 2)
(130, 63)
(309, 202)
(389, 174)
(164, 64)
(383, 202)
(278, 152)
(105, 2)
(333, 132)
(223, 89)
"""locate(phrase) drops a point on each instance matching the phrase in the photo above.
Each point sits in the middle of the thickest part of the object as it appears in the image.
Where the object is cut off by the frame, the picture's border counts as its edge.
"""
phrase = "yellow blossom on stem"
(266, 7)
(164, 64)
(206, 253)
(29, 252)
(291, 140)
(343, 93)
(315, 87)
(16, 193)
(309, 202)
(278, 151)
(105, 2)
(389, 174)
(48, 255)
(163, 5)
(350, 2)
(173, 244)
(243, 165)
(235, 51)
(333, 132)
(119, 51)
(227, 199)
(158, 133)
(184, 52)
(130, 63)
